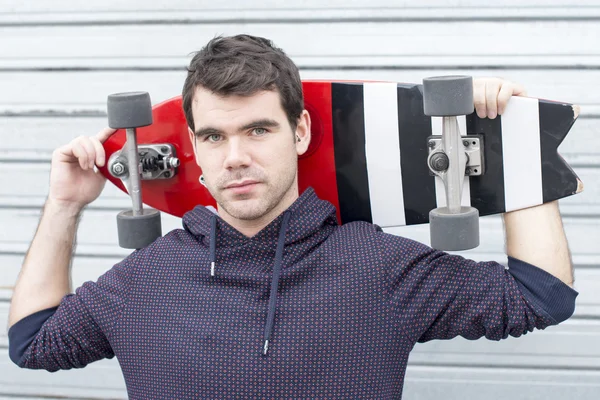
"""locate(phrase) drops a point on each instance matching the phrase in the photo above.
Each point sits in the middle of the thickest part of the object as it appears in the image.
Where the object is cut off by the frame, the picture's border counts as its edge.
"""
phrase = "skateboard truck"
(138, 227)
(453, 227)
(472, 146)
(157, 161)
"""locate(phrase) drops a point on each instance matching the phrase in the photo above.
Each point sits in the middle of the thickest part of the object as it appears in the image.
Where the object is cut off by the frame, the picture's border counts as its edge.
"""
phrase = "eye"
(259, 131)
(213, 137)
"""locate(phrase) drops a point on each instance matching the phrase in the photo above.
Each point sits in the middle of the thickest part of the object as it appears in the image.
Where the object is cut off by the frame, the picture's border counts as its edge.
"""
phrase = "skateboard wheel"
(446, 96)
(138, 231)
(452, 232)
(129, 110)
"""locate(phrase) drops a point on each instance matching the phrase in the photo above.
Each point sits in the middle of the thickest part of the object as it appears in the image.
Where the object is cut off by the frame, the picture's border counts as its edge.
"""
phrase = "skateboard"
(376, 153)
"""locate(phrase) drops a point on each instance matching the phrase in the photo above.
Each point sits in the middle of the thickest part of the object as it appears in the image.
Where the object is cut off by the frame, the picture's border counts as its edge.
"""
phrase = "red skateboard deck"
(368, 155)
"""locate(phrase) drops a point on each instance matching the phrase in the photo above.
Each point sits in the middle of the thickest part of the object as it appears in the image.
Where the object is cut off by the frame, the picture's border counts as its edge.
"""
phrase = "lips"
(240, 184)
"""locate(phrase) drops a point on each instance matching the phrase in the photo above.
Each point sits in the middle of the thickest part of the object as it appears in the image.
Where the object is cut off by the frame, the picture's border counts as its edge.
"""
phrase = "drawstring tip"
(266, 348)
(212, 268)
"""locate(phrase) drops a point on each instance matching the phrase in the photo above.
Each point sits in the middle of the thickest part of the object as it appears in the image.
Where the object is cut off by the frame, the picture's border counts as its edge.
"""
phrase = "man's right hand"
(73, 181)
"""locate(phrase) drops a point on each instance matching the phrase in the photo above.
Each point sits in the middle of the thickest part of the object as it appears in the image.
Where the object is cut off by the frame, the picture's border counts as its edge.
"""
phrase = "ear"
(193, 141)
(192, 138)
(302, 135)
(191, 133)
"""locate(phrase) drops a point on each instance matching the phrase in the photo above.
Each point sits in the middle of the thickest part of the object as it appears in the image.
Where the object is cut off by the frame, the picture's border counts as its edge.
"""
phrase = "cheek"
(280, 160)
(206, 161)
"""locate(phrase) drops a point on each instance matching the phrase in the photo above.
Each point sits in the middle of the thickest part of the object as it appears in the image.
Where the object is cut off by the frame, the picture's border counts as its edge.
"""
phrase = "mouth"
(242, 188)
(240, 184)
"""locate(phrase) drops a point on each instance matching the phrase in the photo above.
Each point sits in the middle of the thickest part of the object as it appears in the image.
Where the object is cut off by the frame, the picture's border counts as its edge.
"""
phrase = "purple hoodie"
(306, 309)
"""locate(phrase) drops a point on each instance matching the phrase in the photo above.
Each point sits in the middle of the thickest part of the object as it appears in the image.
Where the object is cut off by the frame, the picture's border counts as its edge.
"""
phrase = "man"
(270, 297)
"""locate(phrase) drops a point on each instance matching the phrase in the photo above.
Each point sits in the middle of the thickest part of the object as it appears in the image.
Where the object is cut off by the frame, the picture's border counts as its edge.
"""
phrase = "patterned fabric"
(351, 303)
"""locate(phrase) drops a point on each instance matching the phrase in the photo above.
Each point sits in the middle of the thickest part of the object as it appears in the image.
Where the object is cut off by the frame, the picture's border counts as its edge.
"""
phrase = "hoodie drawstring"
(276, 270)
(275, 281)
(213, 243)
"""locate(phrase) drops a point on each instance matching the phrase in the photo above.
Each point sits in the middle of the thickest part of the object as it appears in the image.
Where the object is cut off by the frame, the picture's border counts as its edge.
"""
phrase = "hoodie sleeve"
(79, 330)
(444, 295)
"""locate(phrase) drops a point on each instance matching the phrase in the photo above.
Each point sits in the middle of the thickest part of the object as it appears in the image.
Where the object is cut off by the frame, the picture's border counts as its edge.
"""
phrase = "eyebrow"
(259, 123)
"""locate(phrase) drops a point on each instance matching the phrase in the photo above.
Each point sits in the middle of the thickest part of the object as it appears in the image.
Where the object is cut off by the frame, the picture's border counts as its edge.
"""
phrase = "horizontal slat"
(572, 343)
(33, 139)
(41, 6)
(97, 238)
(96, 227)
(104, 380)
(84, 268)
(84, 250)
(500, 383)
(86, 92)
(287, 15)
(545, 43)
(100, 380)
(11, 396)
(420, 383)
(25, 185)
(581, 232)
(587, 280)
(90, 268)
(24, 220)
(363, 62)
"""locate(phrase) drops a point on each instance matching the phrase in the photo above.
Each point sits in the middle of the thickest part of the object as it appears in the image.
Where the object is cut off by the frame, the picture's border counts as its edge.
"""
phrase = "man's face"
(247, 151)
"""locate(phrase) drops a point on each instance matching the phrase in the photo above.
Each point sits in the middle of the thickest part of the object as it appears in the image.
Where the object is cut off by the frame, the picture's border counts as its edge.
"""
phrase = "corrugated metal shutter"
(59, 60)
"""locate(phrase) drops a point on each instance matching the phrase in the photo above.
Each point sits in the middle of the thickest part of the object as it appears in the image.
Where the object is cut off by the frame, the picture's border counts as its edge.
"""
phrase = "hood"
(309, 215)
(305, 217)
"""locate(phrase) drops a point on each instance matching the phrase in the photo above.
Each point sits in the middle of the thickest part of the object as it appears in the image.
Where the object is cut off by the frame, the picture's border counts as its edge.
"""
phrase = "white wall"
(59, 60)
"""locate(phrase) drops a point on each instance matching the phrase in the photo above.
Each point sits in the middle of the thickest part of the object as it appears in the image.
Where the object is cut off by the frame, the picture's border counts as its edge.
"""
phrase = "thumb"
(519, 90)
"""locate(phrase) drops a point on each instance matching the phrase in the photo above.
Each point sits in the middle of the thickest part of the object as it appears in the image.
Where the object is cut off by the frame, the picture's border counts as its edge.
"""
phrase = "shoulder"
(168, 246)
(173, 240)
(366, 235)
(367, 231)
(371, 237)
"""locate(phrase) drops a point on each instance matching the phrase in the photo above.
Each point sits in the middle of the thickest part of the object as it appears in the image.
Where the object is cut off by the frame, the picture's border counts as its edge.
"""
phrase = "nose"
(238, 155)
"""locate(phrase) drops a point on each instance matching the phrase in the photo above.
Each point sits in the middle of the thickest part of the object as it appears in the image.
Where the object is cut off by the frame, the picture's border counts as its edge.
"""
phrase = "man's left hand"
(491, 95)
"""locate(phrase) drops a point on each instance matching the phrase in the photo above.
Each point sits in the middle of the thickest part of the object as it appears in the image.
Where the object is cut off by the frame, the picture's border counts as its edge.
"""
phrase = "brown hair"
(243, 65)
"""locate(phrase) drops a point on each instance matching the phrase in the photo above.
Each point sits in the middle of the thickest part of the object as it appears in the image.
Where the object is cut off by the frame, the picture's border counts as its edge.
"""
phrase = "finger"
(491, 97)
(80, 154)
(90, 151)
(506, 92)
(479, 97)
(99, 150)
(105, 134)
(65, 153)
(519, 90)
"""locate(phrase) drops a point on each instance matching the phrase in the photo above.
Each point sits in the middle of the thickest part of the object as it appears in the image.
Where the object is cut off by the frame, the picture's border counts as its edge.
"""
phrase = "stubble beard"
(256, 208)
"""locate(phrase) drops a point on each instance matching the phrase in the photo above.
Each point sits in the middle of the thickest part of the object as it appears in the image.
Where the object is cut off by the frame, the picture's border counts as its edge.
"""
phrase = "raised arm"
(50, 327)
(45, 275)
(443, 295)
(534, 235)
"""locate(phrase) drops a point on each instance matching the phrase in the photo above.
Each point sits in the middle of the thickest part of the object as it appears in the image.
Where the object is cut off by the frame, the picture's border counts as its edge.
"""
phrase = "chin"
(247, 209)
(256, 205)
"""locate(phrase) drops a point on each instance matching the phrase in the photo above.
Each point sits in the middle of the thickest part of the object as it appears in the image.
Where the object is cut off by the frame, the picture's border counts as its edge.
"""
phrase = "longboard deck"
(369, 149)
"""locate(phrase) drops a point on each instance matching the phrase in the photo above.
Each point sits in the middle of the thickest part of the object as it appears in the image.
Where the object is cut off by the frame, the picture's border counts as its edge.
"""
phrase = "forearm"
(45, 274)
(536, 235)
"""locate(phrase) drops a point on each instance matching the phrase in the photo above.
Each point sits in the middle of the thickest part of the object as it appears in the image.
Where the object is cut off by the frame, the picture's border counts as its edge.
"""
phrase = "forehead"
(209, 105)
